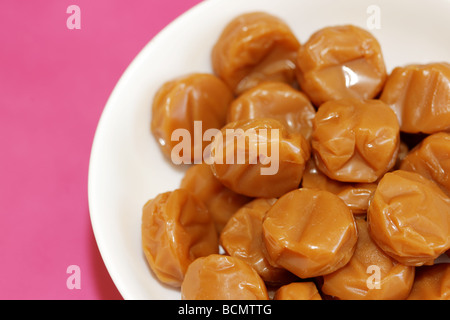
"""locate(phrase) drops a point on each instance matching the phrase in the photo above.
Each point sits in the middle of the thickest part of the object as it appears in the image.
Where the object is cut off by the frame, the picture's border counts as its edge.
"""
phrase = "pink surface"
(54, 83)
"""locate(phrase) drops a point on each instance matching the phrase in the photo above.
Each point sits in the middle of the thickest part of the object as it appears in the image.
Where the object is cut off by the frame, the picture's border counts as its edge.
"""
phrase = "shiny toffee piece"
(355, 140)
(341, 62)
(242, 237)
(221, 202)
(409, 218)
(309, 232)
(275, 100)
(419, 94)
(298, 291)
(255, 47)
(176, 229)
(374, 275)
(183, 109)
(430, 158)
(270, 161)
(221, 277)
(355, 195)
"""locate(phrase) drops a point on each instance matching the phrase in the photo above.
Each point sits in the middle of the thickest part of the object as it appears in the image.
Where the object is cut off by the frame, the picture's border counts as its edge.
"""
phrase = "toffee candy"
(309, 232)
(431, 283)
(221, 277)
(298, 291)
(341, 62)
(355, 195)
(286, 153)
(420, 96)
(242, 238)
(278, 101)
(221, 202)
(409, 218)
(431, 159)
(255, 47)
(351, 281)
(176, 229)
(178, 103)
(355, 140)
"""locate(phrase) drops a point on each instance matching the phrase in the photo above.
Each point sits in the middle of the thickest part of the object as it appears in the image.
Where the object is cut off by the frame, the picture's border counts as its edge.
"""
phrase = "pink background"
(54, 83)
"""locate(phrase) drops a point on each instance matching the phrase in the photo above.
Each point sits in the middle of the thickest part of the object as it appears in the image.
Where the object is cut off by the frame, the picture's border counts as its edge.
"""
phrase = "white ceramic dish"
(127, 167)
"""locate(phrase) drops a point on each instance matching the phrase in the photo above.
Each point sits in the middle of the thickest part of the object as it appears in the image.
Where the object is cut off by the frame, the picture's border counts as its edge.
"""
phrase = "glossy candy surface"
(221, 202)
(242, 237)
(431, 283)
(221, 277)
(355, 195)
(285, 153)
(355, 140)
(370, 273)
(179, 103)
(176, 229)
(298, 291)
(255, 47)
(409, 218)
(431, 159)
(327, 179)
(278, 101)
(309, 232)
(420, 96)
(341, 62)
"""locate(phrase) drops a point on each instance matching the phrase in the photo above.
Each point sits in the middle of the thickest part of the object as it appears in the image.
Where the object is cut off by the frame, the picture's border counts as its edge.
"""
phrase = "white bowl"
(127, 167)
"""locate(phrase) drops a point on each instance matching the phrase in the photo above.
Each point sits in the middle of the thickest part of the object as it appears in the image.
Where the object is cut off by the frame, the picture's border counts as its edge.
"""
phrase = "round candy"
(409, 218)
(431, 283)
(242, 238)
(259, 158)
(298, 291)
(221, 277)
(420, 96)
(341, 62)
(309, 232)
(431, 159)
(221, 202)
(184, 108)
(355, 140)
(355, 195)
(255, 47)
(370, 273)
(278, 101)
(176, 229)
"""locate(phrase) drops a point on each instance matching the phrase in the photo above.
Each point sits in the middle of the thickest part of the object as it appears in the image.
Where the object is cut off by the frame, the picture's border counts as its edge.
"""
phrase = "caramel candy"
(255, 47)
(431, 158)
(242, 238)
(259, 158)
(355, 195)
(221, 202)
(309, 232)
(221, 277)
(420, 96)
(431, 283)
(355, 140)
(409, 218)
(181, 102)
(176, 229)
(278, 101)
(298, 291)
(341, 62)
(352, 282)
